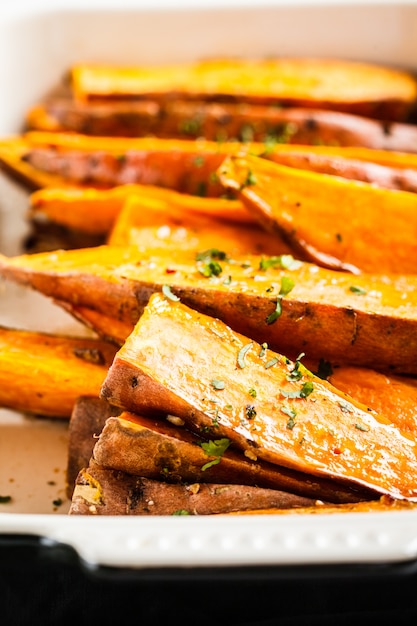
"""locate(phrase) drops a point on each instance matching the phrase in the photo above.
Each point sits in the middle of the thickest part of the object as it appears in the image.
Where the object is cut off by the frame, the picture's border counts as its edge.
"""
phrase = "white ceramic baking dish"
(39, 41)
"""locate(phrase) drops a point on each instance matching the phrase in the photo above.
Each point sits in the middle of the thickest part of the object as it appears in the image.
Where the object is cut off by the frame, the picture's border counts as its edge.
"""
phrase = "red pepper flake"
(170, 271)
(337, 451)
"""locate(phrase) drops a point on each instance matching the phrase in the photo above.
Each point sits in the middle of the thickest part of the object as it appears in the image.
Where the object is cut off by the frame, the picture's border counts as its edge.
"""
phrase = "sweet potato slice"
(394, 396)
(359, 88)
(87, 419)
(193, 366)
(367, 320)
(64, 159)
(44, 374)
(155, 223)
(157, 449)
(95, 210)
(220, 121)
(101, 491)
(333, 222)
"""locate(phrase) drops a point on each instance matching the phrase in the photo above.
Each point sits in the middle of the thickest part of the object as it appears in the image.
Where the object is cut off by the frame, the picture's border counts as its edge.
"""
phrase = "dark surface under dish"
(47, 584)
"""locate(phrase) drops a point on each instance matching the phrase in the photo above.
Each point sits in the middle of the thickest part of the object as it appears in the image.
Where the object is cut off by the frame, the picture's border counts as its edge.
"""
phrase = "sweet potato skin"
(44, 374)
(101, 491)
(214, 120)
(87, 419)
(47, 159)
(153, 448)
(326, 315)
(339, 437)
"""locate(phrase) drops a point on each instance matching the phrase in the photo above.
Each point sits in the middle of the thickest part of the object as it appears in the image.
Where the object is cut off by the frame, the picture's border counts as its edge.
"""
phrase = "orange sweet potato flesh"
(394, 396)
(156, 223)
(337, 223)
(220, 121)
(100, 491)
(187, 364)
(158, 449)
(366, 320)
(44, 374)
(360, 88)
(95, 210)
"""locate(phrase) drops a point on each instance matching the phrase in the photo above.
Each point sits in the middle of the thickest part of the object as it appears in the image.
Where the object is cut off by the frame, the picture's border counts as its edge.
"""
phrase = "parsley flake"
(166, 290)
(362, 427)
(216, 448)
(242, 353)
(217, 384)
(358, 290)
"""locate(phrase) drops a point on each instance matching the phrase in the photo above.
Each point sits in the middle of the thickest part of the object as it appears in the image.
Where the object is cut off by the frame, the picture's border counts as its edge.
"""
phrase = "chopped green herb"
(217, 384)
(250, 411)
(346, 408)
(339, 237)
(284, 261)
(199, 160)
(252, 392)
(272, 317)
(249, 180)
(271, 362)
(358, 290)
(263, 349)
(298, 370)
(190, 127)
(287, 285)
(227, 281)
(242, 353)
(362, 427)
(5, 499)
(291, 423)
(181, 512)
(210, 254)
(216, 448)
(288, 411)
(166, 290)
(57, 502)
(213, 268)
(305, 391)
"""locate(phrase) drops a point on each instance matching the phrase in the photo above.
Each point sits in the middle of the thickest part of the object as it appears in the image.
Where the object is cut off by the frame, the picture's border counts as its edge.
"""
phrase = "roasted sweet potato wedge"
(333, 222)
(156, 223)
(161, 450)
(45, 159)
(181, 362)
(223, 121)
(101, 491)
(367, 320)
(394, 396)
(95, 210)
(44, 374)
(87, 419)
(361, 88)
